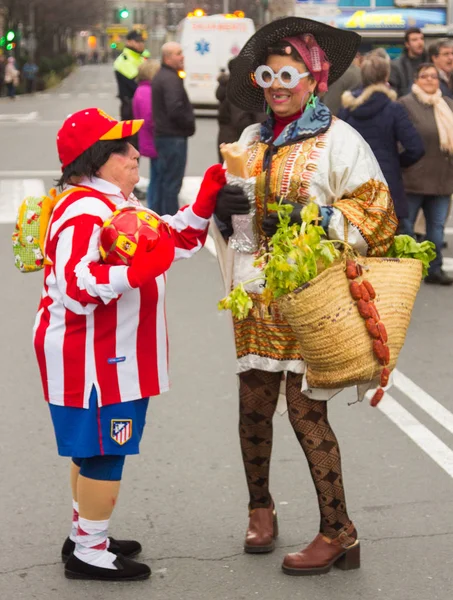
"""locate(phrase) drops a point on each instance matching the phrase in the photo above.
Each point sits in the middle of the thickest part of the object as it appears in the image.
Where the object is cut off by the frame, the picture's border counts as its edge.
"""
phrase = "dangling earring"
(312, 101)
(268, 110)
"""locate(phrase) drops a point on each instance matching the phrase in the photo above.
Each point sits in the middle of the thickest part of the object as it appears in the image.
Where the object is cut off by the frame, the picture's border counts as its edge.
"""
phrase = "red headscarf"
(313, 57)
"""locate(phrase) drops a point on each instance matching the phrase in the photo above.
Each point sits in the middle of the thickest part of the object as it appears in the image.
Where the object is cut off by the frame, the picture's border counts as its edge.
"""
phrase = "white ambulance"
(209, 42)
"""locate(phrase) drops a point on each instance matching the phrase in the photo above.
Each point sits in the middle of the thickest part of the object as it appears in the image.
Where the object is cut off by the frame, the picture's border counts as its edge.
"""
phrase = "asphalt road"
(185, 497)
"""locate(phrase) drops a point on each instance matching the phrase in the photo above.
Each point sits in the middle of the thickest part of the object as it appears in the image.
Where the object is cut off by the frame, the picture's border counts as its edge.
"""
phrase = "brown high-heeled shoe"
(262, 530)
(323, 553)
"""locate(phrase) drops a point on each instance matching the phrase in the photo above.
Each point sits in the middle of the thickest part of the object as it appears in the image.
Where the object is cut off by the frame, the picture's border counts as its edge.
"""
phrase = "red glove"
(213, 181)
(149, 264)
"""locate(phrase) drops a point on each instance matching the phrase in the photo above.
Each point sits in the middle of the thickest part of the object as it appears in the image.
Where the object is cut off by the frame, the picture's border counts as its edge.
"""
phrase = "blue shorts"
(95, 431)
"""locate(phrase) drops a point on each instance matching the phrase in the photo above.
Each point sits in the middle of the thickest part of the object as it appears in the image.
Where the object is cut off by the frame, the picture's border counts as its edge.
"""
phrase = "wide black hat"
(340, 47)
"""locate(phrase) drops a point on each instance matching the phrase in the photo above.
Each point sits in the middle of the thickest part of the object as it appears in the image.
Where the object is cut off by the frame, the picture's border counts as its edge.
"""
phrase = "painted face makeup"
(283, 100)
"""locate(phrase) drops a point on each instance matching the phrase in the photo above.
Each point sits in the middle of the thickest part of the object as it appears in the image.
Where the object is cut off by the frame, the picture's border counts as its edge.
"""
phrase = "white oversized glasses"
(288, 77)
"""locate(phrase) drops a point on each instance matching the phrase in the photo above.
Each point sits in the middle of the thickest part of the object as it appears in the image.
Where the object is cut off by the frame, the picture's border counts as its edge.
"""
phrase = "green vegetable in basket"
(297, 253)
(404, 246)
(238, 301)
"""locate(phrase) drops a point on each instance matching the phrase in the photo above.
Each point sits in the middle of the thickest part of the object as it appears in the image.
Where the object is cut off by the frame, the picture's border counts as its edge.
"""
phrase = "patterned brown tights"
(258, 393)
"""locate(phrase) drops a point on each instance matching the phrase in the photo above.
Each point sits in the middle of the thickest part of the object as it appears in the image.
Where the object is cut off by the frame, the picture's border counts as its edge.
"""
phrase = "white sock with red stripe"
(92, 543)
(75, 521)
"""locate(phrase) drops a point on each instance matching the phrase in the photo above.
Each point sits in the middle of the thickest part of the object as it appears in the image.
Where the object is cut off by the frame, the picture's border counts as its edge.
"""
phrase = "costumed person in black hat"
(126, 71)
(300, 153)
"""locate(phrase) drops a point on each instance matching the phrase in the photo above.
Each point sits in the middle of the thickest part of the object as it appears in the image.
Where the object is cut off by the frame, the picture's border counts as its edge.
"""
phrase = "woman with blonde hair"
(384, 124)
(142, 108)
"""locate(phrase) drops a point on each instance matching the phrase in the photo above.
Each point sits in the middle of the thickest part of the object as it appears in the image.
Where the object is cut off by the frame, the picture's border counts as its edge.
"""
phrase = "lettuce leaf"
(404, 246)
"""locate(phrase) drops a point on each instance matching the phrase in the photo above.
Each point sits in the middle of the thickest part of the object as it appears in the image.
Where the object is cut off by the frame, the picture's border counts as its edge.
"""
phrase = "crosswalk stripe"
(435, 448)
(13, 191)
(423, 400)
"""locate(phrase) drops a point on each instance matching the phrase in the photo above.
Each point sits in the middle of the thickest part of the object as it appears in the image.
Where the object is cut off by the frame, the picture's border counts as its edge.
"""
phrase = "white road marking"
(26, 174)
(447, 263)
(13, 191)
(418, 433)
(19, 117)
(432, 407)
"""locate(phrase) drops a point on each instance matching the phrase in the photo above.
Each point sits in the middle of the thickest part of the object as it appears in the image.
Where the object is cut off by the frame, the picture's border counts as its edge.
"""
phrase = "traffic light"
(124, 13)
(10, 35)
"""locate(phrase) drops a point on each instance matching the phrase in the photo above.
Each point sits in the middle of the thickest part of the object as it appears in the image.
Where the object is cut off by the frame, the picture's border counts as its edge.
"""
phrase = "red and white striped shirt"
(92, 328)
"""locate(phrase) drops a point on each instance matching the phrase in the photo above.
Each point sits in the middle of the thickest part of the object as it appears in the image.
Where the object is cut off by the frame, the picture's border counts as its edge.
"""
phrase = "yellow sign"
(116, 30)
(362, 20)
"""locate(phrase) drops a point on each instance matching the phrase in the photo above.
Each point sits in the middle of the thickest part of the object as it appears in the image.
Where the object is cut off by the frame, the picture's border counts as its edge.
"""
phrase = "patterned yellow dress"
(316, 158)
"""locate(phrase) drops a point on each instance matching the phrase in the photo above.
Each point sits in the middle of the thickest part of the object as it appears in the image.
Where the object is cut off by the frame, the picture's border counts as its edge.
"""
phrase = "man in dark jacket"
(403, 69)
(441, 55)
(174, 122)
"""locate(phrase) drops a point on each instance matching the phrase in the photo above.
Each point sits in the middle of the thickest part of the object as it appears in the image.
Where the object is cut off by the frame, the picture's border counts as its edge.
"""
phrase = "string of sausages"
(363, 293)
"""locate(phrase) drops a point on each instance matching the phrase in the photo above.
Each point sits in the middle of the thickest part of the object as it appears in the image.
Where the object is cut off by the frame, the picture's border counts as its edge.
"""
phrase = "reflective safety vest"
(128, 63)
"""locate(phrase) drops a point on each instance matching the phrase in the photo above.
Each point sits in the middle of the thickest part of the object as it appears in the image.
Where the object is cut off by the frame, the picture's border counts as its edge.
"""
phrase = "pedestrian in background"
(385, 125)
(403, 69)
(349, 81)
(232, 120)
(441, 56)
(174, 123)
(29, 72)
(2, 73)
(12, 75)
(126, 71)
(142, 108)
(429, 182)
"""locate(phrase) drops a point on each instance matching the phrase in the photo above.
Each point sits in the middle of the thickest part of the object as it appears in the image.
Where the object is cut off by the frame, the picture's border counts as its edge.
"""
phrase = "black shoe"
(126, 570)
(127, 548)
(439, 278)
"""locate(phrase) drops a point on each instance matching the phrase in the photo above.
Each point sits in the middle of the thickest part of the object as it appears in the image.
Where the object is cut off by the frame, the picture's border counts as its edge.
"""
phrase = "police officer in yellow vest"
(126, 70)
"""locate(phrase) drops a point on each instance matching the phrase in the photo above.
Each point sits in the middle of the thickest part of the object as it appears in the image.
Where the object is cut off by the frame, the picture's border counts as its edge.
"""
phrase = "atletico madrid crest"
(121, 430)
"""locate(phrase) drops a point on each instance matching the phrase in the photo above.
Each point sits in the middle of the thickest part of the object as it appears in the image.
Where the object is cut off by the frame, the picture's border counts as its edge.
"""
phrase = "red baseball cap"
(84, 128)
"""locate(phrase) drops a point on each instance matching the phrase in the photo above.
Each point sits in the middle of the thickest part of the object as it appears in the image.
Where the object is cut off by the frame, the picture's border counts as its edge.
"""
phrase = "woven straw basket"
(334, 341)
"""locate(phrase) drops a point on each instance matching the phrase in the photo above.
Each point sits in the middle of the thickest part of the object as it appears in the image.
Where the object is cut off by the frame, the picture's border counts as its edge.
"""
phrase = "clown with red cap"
(100, 333)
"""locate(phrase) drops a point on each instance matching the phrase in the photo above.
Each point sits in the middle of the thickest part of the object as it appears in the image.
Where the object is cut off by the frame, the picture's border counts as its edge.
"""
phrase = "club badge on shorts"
(121, 430)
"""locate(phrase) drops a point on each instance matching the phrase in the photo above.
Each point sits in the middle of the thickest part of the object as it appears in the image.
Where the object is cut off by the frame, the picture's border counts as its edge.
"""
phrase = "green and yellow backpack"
(31, 226)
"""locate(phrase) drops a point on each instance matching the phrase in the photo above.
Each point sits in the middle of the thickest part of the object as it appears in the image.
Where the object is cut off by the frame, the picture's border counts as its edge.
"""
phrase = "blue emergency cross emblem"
(121, 430)
(203, 47)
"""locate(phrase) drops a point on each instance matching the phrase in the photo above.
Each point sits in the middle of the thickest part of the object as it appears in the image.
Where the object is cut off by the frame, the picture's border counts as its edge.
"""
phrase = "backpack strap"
(48, 204)
(51, 201)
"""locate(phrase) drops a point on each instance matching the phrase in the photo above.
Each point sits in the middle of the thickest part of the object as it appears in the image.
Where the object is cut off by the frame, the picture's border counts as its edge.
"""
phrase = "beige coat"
(433, 174)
